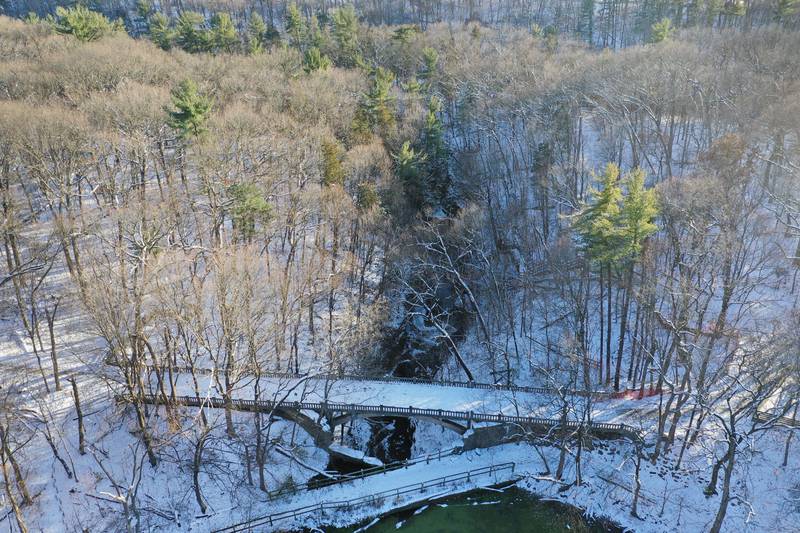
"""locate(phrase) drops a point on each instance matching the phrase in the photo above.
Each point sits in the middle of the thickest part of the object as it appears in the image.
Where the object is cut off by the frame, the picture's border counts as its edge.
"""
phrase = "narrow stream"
(412, 354)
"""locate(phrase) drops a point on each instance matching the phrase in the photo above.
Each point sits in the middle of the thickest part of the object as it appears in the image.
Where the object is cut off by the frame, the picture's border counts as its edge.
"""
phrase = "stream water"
(512, 510)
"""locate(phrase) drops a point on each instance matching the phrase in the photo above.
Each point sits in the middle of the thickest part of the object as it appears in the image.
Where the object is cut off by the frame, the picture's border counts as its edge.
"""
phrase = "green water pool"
(512, 510)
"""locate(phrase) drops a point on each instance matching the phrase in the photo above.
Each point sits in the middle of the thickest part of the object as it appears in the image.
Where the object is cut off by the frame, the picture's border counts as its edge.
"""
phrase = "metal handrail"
(361, 474)
(270, 520)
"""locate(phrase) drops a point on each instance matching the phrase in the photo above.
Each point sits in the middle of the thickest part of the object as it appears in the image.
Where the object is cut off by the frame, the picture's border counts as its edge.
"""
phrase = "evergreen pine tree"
(256, 34)
(144, 8)
(433, 131)
(412, 87)
(713, 10)
(160, 32)
(83, 24)
(379, 99)
(248, 207)
(596, 223)
(785, 10)
(332, 171)
(314, 60)
(436, 152)
(407, 166)
(143, 11)
(295, 25)
(661, 30)
(403, 34)
(223, 33)
(735, 8)
(191, 110)
(366, 196)
(430, 62)
(191, 33)
(586, 21)
(316, 37)
(636, 222)
(345, 33)
(637, 216)
(551, 39)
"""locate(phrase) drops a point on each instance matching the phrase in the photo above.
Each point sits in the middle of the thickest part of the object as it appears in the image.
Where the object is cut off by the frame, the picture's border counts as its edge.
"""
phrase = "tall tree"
(345, 32)
(223, 33)
(160, 32)
(407, 164)
(436, 152)
(596, 225)
(256, 34)
(191, 33)
(636, 222)
(249, 207)
(295, 25)
(596, 222)
(430, 62)
(331, 166)
(586, 21)
(191, 110)
(378, 103)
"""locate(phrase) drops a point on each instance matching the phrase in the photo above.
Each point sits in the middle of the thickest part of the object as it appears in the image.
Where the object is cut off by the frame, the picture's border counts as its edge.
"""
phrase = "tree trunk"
(10, 495)
(51, 318)
(637, 484)
(602, 331)
(81, 434)
(562, 458)
(789, 437)
(716, 527)
(6, 454)
(608, 324)
(626, 301)
(196, 463)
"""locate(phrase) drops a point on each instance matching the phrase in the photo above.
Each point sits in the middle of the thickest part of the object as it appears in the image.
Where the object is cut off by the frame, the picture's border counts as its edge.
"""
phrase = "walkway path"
(345, 410)
(481, 398)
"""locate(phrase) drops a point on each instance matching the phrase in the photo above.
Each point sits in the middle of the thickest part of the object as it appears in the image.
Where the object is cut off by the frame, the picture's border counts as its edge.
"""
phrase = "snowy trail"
(420, 396)
(404, 477)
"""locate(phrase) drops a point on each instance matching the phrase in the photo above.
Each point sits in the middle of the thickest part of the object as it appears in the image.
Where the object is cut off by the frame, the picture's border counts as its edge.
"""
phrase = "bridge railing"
(361, 474)
(376, 499)
(385, 379)
(383, 410)
(765, 416)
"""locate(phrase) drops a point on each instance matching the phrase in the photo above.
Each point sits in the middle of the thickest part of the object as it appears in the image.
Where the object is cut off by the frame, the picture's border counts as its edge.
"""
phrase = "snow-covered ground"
(81, 493)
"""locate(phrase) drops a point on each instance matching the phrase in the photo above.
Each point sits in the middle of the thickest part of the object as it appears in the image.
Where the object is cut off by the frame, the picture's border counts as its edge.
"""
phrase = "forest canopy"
(595, 198)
